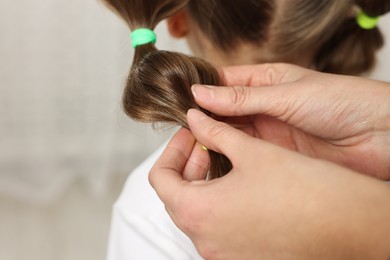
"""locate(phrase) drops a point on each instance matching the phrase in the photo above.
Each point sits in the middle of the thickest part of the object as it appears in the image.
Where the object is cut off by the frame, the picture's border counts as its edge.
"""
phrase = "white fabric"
(141, 228)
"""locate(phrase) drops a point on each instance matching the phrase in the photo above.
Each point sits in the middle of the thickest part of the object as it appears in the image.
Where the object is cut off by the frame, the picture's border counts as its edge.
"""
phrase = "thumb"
(221, 137)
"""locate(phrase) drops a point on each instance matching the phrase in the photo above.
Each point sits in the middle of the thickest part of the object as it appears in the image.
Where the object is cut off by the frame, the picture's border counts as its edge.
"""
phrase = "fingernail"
(202, 92)
(195, 115)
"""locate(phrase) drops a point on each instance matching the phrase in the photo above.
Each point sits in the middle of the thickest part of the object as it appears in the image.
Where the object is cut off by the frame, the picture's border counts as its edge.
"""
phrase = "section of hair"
(324, 31)
(303, 26)
(329, 29)
(352, 50)
(374, 7)
(158, 88)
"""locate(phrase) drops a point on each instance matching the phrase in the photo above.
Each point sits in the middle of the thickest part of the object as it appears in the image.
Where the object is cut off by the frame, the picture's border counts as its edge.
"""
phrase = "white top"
(141, 228)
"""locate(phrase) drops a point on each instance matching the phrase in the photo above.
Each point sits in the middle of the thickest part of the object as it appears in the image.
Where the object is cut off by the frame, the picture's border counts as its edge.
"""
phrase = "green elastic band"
(366, 22)
(142, 36)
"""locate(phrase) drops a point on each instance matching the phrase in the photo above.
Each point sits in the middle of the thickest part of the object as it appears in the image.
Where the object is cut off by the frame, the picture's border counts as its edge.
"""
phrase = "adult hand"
(275, 203)
(339, 118)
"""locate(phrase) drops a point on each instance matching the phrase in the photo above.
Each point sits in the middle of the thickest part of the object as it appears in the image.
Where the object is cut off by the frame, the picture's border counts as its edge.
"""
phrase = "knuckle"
(270, 74)
(239, 97)
(274, 73)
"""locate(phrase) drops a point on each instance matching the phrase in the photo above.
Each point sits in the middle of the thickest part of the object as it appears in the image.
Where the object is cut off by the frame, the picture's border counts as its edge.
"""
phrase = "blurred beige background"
(65, 145)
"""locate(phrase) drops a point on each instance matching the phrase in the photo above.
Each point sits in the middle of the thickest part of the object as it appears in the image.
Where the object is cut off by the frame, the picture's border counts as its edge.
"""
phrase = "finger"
(242, 101)
(220, 137)
(197, 164)
(259, 75)
(165, 176)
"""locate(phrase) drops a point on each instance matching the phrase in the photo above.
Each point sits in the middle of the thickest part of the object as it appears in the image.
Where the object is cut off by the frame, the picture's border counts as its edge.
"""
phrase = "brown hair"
(288, 29)
(158, 87)
(351, 49)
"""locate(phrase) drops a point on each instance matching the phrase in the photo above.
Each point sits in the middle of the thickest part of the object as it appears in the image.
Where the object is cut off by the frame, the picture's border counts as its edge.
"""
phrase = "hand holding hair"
(158, 86)
(338, 118)
(274, 203)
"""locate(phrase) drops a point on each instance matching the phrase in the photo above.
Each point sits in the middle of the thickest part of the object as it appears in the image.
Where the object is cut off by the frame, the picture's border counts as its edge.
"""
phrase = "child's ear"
(178, 24)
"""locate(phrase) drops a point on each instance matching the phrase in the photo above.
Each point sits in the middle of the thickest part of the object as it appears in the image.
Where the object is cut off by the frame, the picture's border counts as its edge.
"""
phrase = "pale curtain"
(63, 64)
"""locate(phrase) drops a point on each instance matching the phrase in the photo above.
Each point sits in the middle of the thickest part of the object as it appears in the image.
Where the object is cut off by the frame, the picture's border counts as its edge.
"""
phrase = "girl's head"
(323, 34)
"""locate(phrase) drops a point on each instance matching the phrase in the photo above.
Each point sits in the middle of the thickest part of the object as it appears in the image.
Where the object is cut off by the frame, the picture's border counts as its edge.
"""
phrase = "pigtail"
(158, 88)
(352, 49)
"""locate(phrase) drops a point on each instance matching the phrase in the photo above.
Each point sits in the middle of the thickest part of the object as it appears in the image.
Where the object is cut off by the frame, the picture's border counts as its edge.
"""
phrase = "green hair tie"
(366, 22)
(143, 36)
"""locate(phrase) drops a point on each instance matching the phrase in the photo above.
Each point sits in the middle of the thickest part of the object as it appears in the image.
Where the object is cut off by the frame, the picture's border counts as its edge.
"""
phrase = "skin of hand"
(343, 119)
(274, 204)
